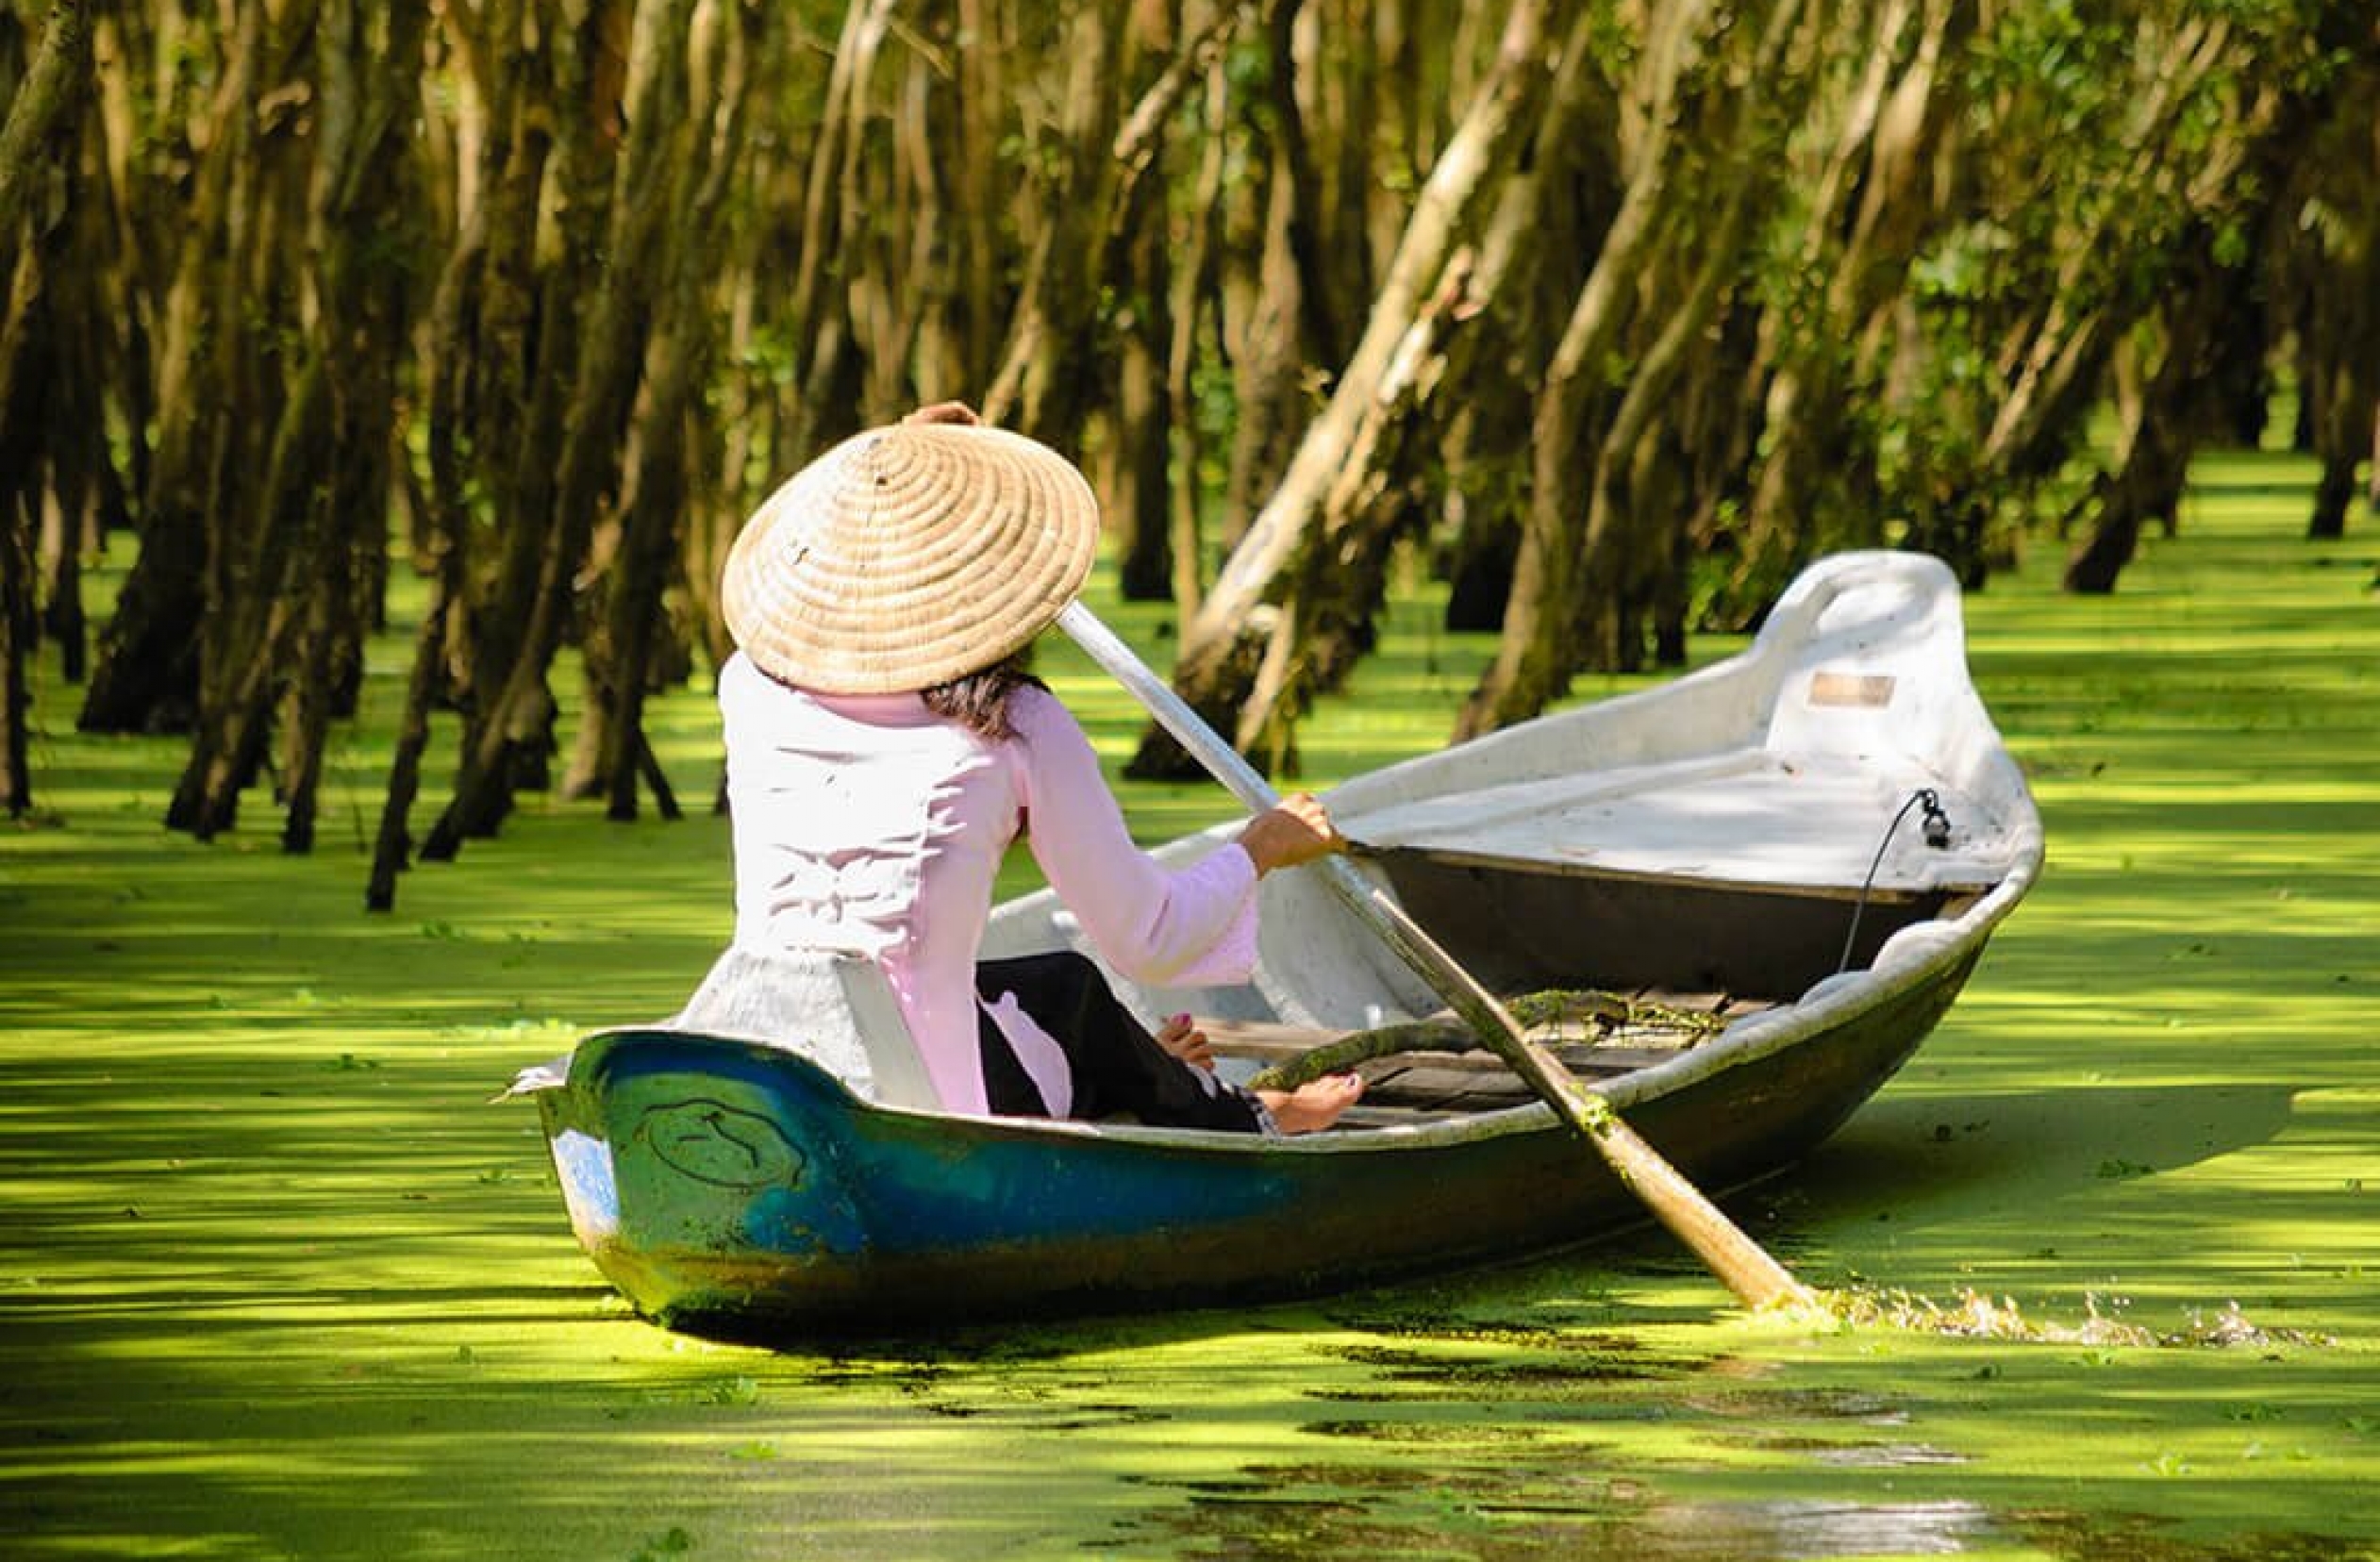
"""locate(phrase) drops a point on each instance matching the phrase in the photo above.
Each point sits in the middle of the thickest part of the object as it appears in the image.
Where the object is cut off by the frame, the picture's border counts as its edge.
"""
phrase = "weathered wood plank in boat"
(1447, 1084)
(1271, 1044)
(1601, 1059)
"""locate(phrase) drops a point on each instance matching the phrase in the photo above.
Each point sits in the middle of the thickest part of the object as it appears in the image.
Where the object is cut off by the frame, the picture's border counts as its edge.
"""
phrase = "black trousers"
(1117, 1066)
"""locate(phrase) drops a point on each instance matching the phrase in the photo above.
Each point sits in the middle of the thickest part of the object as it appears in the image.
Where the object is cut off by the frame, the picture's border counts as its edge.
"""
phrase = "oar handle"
(1205, 745)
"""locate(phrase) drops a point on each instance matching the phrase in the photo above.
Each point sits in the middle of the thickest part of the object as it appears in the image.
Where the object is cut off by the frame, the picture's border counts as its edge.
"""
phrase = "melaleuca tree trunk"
(2256, 177)
(145, 675)
(54, 463)
(20, 624)
(43, 107)
(589, 298)
(372, 73)
(1657, 283)
(1040, 387)
(1137, 489)
(1336, 583)
(1225, 645)
(635, 624)
(1551, 220)
(1871, 202)
(1153, 322)
(288, 538)
(2336, 245)
(474, 371)
(1267, 324)
(91, 329)
(1189, 311)
(2164, 405)
(2100, 174)
(224, 406)
(20, 633)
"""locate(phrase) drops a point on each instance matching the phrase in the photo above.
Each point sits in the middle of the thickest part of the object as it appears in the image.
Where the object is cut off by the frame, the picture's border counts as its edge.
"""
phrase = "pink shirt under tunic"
(866, 825)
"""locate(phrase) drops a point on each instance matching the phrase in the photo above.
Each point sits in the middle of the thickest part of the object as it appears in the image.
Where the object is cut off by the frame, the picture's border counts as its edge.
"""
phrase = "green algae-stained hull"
(730, 1186)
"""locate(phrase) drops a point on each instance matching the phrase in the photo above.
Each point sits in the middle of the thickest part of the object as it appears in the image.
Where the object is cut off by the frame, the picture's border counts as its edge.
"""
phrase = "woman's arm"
(1190, 926)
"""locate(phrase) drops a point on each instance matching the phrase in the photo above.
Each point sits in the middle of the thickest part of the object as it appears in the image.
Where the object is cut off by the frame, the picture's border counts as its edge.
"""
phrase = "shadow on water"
(1480, 1430)
(1548, 1458)
(1908, 1155)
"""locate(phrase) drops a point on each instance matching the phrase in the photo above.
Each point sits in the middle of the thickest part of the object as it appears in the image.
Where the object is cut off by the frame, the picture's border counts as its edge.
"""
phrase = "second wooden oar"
(1757, 1279)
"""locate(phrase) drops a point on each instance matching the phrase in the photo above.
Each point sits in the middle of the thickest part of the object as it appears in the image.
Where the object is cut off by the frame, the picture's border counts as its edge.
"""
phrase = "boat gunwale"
(1752, 1040)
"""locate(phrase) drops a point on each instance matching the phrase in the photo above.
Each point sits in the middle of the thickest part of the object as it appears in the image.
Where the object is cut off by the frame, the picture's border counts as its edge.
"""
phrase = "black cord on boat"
(1936, 828)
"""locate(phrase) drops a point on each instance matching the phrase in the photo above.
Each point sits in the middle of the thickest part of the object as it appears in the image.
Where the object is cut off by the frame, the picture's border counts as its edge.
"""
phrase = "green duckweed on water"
(275, 1283)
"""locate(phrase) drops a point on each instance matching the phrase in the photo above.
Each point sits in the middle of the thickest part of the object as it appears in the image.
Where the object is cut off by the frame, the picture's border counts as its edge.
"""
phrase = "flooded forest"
(1607, 314)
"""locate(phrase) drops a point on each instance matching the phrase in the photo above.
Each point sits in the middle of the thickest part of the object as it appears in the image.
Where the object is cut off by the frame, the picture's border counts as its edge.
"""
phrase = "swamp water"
(275, 1283)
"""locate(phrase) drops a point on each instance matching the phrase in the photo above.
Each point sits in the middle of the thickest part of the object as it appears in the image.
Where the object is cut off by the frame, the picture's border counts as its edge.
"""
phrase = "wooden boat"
(1777, 873)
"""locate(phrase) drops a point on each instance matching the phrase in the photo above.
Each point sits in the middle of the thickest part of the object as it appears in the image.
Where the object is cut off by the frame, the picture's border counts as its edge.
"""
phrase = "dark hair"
(978, 700)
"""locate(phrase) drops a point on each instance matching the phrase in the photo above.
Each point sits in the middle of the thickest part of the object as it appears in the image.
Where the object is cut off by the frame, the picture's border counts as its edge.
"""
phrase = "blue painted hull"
(726, 1187)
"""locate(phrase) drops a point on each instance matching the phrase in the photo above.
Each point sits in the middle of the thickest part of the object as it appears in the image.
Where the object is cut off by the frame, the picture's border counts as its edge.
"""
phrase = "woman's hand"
(944, 412)
(1297, 829)
(1181, 1038)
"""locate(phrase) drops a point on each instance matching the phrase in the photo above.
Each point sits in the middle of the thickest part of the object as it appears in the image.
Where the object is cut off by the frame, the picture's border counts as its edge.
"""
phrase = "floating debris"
(1974, 1316)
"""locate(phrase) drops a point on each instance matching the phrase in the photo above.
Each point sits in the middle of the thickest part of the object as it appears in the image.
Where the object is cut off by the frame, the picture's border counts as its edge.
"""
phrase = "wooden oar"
(1757, 1279)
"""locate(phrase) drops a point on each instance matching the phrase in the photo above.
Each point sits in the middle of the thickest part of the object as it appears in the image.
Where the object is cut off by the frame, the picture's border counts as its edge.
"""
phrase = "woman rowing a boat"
(885, 746)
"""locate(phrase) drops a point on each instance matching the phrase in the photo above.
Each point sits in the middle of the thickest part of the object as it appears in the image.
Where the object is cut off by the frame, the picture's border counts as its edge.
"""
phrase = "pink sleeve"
(1193, 927)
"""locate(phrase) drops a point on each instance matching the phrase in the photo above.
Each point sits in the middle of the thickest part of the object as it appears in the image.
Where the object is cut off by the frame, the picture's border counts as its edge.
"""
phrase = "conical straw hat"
(909, 556)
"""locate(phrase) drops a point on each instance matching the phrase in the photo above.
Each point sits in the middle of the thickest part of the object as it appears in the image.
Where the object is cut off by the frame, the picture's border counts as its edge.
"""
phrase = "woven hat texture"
(909, 556)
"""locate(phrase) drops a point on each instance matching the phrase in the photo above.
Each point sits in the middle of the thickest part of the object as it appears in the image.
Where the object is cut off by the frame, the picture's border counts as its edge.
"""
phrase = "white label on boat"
(1851, 688)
